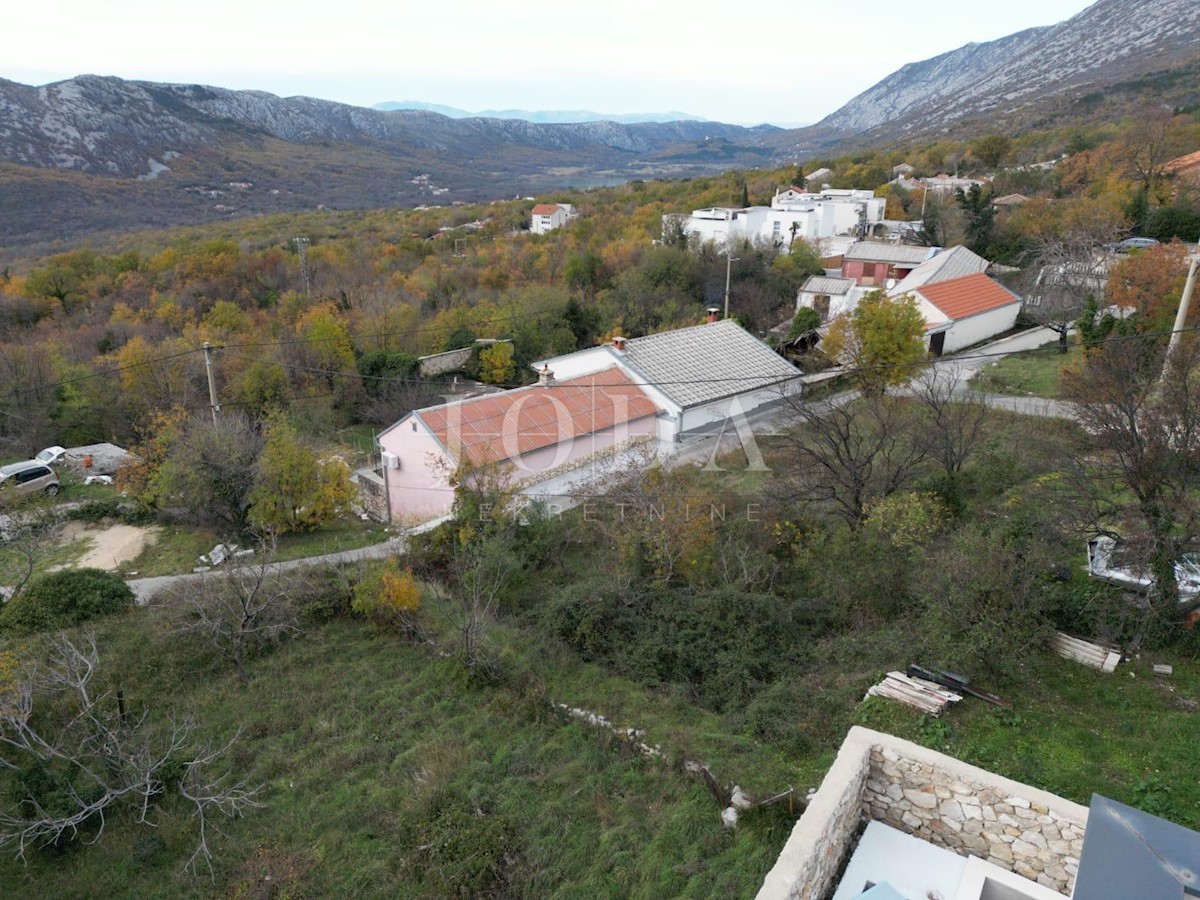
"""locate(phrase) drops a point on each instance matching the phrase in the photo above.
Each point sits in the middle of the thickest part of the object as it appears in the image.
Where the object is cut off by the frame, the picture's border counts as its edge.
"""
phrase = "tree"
(483, 568)
(843, 456)
(882, 341)
(1069, 270)
(100, 759)
(951, 421)
(389, 598)
(1139, 457)
(209, 469)
(240, 610)
(1150, 281)
(991, 149)
(496, 363)
(979, 218)
(293, 489)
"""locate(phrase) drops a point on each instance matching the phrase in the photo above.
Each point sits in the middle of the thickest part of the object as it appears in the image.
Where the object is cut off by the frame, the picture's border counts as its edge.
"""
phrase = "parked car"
(51, 455)
(1133, 243)
(24, 478)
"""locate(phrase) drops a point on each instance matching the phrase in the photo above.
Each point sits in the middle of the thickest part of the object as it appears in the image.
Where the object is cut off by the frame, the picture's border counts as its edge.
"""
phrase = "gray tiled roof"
(823, 284)
(957, 262)
(707, 362)
(900, 254)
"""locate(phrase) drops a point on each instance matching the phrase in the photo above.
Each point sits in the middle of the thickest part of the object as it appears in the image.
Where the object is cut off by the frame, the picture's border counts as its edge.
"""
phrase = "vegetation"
(64, 599)
(1037, 374)
(402, 723)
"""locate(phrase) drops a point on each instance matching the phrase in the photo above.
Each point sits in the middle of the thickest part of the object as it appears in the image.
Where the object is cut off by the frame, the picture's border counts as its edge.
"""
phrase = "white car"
(51, 456)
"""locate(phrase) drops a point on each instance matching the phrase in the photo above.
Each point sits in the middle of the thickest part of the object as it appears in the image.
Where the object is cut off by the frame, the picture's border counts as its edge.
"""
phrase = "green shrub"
(64, 599)
(96, 511)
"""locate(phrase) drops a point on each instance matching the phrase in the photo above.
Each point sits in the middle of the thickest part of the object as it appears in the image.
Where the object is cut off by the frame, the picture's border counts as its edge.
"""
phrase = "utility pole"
(212, 382)
(730, 259)
(302, 249)
(1181, 314)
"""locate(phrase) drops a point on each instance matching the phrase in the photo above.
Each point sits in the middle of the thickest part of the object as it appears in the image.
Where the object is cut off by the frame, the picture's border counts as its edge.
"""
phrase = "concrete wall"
(372, 494)
(710, 415)
(973, 329)
(945, 801)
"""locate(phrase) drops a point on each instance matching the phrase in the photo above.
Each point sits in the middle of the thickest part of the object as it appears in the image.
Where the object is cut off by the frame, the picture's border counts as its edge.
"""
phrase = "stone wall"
(935, 797)
(972, 817)
(372, 494)
(442, 363)
(818, 847)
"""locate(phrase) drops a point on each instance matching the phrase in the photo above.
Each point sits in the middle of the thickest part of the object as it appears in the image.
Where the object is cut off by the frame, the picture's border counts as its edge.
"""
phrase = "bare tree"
(27, 533)
(953, 419)
(102, 759)
(240, 609)
(482, 570)
(1139, 459)
(845, 454)
(1068, 269)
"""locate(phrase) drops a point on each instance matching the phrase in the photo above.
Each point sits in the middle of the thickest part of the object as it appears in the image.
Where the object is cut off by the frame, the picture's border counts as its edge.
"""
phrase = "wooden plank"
(1104, 659)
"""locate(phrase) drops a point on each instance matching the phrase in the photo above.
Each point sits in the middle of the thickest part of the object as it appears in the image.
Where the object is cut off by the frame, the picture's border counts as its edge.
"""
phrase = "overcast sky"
(736, 62)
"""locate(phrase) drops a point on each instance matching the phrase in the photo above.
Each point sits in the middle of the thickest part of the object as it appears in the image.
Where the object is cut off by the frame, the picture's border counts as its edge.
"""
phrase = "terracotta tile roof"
(969, 296)
(504, 425)
(545, 209)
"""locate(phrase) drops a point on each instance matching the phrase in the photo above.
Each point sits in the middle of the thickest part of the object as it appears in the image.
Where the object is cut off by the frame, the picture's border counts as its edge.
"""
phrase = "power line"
(104, 373)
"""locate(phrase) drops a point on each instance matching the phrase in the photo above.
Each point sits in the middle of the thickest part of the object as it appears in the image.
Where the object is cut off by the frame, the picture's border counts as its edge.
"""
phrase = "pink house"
(532, 431)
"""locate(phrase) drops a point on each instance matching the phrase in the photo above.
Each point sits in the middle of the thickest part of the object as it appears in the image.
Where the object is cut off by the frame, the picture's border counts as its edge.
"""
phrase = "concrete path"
(145, 589)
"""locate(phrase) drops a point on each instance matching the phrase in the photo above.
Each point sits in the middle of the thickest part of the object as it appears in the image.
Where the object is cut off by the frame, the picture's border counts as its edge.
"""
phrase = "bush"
(389, 598)
(97, 511)
(64, 599)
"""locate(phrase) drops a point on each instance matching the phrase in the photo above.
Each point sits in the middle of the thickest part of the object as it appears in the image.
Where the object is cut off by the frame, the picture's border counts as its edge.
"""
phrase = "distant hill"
(1091, 67)
(100, 152)
(542, 117)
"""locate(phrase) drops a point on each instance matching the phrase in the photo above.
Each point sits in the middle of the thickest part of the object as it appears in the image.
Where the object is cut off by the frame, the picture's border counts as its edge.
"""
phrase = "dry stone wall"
(945, 801)
(972, 818)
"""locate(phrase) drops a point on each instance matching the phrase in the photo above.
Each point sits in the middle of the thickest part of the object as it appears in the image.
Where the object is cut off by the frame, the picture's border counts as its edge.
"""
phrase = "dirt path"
(111, 546)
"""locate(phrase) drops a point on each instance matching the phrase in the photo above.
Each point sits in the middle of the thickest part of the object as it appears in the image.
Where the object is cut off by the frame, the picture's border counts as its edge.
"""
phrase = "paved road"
(145, 589)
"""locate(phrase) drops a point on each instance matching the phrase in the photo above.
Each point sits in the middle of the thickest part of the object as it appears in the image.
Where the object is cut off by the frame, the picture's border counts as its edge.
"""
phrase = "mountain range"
(541, 117)
(94, 153)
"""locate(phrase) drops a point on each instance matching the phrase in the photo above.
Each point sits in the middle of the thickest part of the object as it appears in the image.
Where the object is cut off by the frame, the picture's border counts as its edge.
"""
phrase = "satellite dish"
(891, 283)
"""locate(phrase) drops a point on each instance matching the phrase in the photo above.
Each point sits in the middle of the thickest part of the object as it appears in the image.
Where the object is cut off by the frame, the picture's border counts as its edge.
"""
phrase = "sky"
(745, 63)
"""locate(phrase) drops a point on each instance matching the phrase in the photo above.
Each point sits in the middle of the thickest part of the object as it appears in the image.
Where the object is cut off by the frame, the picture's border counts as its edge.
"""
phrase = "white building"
(548, 216)
(793, 214)
(699, 377)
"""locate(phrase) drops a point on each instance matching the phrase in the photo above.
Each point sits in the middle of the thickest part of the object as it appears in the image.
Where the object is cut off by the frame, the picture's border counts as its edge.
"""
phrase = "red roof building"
(962, 312)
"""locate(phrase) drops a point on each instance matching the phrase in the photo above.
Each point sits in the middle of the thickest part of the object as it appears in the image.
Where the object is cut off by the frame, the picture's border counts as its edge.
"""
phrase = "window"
(775, 228)
(30, 474)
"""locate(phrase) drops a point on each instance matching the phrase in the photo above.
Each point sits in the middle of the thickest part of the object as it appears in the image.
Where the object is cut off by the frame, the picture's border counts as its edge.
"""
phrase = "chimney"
(545, 376)
(619, 344)
(713, 312)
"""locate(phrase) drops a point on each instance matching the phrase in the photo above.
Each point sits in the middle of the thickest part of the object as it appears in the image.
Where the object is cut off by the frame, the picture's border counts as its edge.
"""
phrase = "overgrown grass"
(1037, 374)
(179, 547)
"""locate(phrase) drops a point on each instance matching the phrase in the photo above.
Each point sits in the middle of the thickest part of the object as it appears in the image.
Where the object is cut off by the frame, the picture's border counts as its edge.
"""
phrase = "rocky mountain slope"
(538, 116)
(114, 127)
(99, 153)
(1099, 49)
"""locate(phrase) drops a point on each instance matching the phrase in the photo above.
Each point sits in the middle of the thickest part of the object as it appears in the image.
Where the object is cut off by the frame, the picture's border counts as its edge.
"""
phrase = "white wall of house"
(814, 216)
(711, 414)
(542, 223)
(417, 489)
(974, 329)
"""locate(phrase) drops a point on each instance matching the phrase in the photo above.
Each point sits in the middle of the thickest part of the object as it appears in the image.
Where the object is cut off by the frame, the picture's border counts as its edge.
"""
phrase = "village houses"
(546, 217)
(615, 401)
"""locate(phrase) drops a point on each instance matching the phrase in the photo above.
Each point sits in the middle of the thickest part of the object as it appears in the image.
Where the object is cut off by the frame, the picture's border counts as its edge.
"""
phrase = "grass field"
(179, 547)
(387, 774)
(1037, 374)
